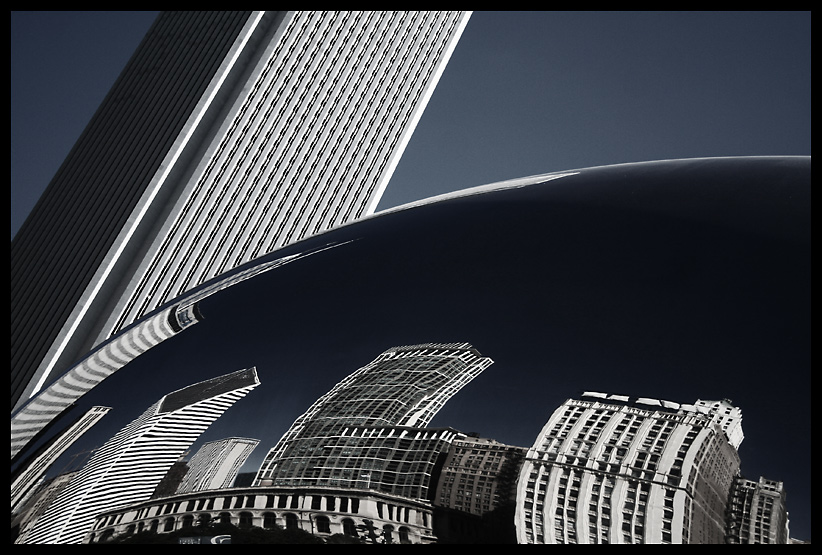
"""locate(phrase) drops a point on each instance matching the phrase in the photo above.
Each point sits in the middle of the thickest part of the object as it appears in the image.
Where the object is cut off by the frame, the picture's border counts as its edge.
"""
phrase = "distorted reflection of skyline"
(678, 280)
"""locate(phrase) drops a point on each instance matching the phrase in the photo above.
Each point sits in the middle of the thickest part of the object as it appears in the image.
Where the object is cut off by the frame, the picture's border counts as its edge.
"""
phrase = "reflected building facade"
(619, 470)
(758, 513)
(369, 431)
(128, 468)
(360, 461)
(26, 478)
(474, 500)
(479, 475)
(216, 464)
(366, 516)
(226, 136)
(618, 473)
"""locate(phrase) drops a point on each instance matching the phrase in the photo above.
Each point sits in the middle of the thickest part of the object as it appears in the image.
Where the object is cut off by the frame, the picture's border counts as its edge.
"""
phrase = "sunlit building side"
(619, 470)
(128, 468)
(226, 136)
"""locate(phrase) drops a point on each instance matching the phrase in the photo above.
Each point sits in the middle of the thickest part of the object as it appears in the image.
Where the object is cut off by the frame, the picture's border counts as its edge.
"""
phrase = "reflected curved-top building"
(369, 432)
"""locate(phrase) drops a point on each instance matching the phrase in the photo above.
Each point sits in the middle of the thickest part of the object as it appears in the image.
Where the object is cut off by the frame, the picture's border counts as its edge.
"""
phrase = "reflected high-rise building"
(479, 475)
(128, 468)
(216, 464)
(369, 431)
(226, 136)
(758, 512)
(619, 470)
(27, 476)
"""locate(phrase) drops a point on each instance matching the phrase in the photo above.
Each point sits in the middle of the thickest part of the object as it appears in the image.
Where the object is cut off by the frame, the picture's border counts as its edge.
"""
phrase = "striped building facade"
(28, 477)
(758, 513)
(228, 135)
(128, 468)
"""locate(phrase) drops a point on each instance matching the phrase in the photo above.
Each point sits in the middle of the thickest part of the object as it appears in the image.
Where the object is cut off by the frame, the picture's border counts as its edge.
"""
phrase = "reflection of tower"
(479, 475)
(23, 482)
(129, 466)
(369, 431)
(216, 464)
(227, 135)
(758, 513)
(612, 469)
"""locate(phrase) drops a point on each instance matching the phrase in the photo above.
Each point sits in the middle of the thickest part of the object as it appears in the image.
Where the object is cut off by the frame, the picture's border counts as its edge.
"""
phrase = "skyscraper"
(216, 464)
(129, 466)
(758, 512)
(618, 470)
(227, 135)
(369, 431)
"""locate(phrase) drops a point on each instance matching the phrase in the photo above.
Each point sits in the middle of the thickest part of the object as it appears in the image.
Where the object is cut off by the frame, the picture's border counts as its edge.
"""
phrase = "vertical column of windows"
(234, 181)
(181, 227)
(634, 511)
(675, 471)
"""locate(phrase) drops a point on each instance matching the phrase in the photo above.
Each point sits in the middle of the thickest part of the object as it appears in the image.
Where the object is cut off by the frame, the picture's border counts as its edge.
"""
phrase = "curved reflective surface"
(676, 280)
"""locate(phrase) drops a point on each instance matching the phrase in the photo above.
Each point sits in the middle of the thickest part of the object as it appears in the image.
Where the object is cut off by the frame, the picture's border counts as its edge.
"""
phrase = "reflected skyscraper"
(416, 252)
(758, 512)
(130, 465)
(23, 481)
(369, 431)
(479, 475)
(619, 470)
(227, 135)
(216, 464)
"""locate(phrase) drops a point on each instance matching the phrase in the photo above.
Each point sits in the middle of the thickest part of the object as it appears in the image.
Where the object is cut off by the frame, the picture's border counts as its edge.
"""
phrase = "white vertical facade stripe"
(307, 146)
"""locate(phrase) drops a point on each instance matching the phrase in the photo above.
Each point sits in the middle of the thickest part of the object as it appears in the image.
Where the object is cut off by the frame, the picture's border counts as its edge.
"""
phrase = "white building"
(23, 482)
(619, 470)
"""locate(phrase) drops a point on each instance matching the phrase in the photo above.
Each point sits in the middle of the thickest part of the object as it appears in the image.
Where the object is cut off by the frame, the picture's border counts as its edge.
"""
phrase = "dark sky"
(525, 93)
